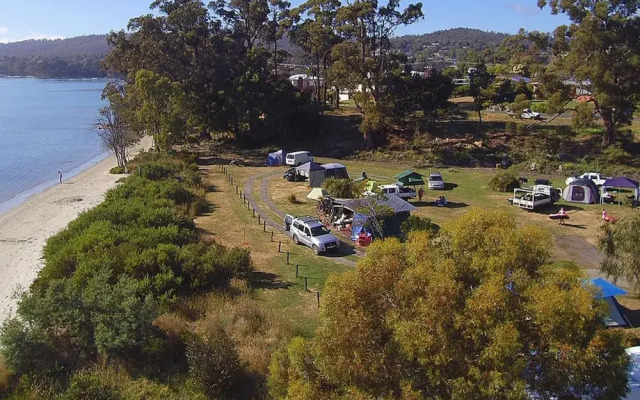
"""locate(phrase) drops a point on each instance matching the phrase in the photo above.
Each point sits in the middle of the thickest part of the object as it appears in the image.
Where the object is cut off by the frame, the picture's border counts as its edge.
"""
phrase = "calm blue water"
(46, 126)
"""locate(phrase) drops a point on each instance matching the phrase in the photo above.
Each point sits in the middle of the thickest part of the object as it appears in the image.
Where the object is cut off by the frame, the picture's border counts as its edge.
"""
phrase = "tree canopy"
(601, 51)
(477, 313)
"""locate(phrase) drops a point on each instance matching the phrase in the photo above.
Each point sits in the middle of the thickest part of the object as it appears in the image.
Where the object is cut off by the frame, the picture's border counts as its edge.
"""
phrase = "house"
(304, 81)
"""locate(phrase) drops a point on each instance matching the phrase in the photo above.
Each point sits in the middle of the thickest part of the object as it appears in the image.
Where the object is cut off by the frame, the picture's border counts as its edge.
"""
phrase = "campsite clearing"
(230, 223)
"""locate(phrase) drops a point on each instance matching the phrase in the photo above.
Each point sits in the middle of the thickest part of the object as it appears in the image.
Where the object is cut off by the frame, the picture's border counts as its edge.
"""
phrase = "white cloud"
(28, 36)
(527, 10)
(3, 30)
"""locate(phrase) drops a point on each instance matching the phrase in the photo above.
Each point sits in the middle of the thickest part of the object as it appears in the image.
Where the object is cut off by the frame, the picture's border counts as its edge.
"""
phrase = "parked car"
(298, 158)
(542, 181)
(435, 181)
(596, 177)
(311, 232)
(292, 176)
(528, 114)
(397, 190)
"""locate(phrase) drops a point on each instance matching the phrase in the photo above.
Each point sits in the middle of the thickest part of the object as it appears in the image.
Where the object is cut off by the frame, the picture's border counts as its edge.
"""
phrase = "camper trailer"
(535, 197)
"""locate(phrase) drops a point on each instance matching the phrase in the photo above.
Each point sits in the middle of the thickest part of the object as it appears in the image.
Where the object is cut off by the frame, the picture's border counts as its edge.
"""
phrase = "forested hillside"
(458, 37)
(77, 57)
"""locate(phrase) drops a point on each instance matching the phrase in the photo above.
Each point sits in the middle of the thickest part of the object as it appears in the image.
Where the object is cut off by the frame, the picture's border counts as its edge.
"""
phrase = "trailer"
(534, 197)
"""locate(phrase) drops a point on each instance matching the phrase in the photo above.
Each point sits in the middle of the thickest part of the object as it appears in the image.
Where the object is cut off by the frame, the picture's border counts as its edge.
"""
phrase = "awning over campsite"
(310, 166)
(394, 202)
(606, 288)
(621, 182)
(410, 178)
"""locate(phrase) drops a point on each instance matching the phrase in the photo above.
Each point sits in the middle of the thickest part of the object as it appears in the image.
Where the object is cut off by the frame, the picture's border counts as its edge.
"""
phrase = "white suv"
(312, 233)
(435, 181)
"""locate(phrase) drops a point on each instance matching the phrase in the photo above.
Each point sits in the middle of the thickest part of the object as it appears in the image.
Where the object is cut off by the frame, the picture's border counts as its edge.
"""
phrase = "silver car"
(435, 181)
(311, 233)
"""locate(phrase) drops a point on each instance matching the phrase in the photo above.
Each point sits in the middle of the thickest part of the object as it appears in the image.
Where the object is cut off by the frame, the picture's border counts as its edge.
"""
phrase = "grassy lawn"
(230, 223)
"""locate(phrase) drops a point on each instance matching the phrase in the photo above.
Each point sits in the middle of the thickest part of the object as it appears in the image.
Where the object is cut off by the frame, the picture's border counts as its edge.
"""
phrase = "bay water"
(46, 126)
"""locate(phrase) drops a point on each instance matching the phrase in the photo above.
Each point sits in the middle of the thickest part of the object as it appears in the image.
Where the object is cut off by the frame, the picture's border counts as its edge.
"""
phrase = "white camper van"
(298, 158)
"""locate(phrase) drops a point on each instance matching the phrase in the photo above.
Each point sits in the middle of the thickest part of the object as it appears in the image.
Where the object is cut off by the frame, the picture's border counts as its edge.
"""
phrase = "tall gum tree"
(476, 313)
(601, 49)
(365, 61)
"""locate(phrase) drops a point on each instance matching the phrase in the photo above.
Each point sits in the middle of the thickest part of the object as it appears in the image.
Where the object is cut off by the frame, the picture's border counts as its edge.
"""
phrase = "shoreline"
(25, 227)
(20, 197)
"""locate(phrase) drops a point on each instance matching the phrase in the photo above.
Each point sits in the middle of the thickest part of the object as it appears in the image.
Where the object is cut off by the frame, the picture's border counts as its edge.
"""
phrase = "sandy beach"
(25, 228)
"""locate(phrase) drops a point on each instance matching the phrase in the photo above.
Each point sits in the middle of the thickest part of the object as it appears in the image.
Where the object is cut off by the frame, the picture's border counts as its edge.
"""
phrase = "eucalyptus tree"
(479, 81)
(474, 313)
(364, 62)
(600, 50)
(314, 32)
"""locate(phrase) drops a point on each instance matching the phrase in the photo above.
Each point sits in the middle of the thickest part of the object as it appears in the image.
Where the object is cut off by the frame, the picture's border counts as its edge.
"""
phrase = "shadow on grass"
(554, 209)
(209, 209)
(450, 204)
(573, 225)
(267, 280)
(450, 186)
(212, 189)
(345, 249)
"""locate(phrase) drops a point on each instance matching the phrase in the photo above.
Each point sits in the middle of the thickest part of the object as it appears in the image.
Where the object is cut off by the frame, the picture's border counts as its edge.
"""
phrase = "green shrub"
(503, 182)
(539, 107)
(214, 363)
(112, 271)
(417, 223)
(520, 128)
(117, 170)
(615, 154)
(511, 126)
(343, 188)
(583, 117)
(88, 386)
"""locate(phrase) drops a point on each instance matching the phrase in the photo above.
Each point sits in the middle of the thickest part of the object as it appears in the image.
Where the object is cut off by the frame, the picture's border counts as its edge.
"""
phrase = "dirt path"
(577, 249)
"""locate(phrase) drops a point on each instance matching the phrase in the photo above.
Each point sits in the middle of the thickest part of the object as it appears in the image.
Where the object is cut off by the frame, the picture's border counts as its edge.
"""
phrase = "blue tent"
(606, 289)
(276, 158)
(607, 292)
(358, 225)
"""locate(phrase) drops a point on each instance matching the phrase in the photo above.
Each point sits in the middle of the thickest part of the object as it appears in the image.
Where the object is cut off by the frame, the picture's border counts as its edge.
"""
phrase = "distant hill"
(80, 57)
(77, 57)
(72, 47)
(449, 39)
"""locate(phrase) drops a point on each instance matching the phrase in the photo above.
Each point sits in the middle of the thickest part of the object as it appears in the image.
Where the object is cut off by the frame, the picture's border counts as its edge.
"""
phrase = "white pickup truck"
(596, 177)
(396, 190)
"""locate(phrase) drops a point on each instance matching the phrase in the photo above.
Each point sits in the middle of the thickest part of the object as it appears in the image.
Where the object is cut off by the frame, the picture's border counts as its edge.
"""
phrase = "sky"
(46, 19)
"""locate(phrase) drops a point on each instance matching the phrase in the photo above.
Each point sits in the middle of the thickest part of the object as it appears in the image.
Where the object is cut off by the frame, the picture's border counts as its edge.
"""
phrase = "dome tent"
(276, 158)
(581, 191)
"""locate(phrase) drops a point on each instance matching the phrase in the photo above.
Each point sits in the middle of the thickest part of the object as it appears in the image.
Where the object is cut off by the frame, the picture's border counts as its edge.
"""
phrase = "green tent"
(410, 178)
(371, 186)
